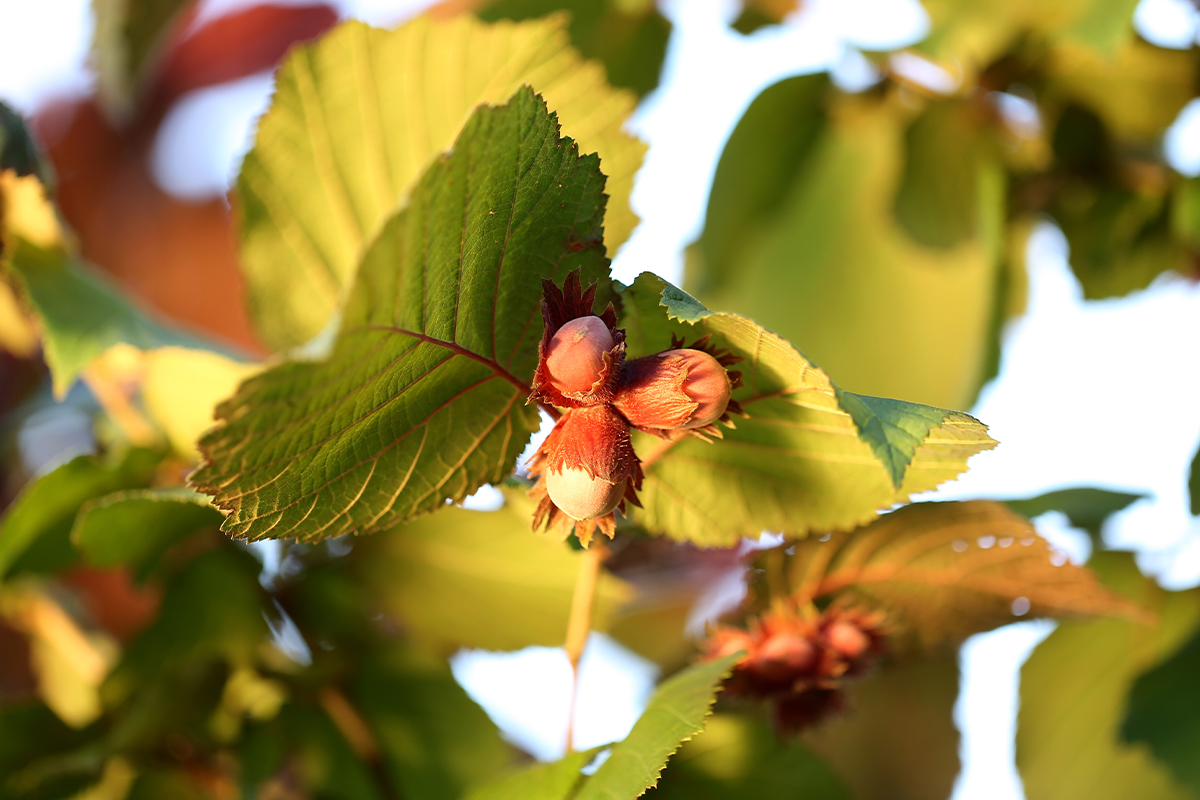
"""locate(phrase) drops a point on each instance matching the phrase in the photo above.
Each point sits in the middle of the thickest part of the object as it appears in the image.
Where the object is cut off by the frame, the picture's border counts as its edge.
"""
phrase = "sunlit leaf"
(479, 579)
(135, 528)
(344, 143)
(1074, 691)
(181, 389)
(946, 160)
(628, 36)
(799, 463)
(423, 397)
(741, 757)
(41, 516)
(1086, 508)
(944, 571)
(676, 713)
(433, 738)
(554, 781)
(897, 739)
(1164, 713)
(801, 235)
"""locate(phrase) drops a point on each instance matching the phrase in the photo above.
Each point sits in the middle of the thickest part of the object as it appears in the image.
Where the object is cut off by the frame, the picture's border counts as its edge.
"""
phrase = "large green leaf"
(629, 37)
(1085, 507)
(944, 571)
(356, 119)
(423, 397)
(1074, 689)
(135, 528)
(479, 579)
(740, 757)
(897, 740)
(799, 463)
(1164, 713)
(802, 236)
(676, 713)
(41, 516)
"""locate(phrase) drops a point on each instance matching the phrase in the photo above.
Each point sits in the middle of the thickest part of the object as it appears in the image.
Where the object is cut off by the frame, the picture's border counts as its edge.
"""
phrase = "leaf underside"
(799, 463)
(423, 397)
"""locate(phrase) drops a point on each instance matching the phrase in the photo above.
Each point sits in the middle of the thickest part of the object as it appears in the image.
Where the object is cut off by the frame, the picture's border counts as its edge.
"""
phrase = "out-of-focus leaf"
(316, 751)
(740, 757)
(212, 610)
(1137, 91)
(127, 33)
(554, 781)
(336, 153)
(17, 334)
(17, 149)
(1074, 689)
(479, 579)
(68, 661)
(944, 571)
(42, 515)
(135, 528)
(81, 314)
(759, 13)
(676, 713)
(1086, 508)
(799, 463)
(433, 738)
(946, 158)
(1104, 25)
(801, 235)
(423, 397)
(1194, 484)
(1164, 713)
(35, 750)
(628, 36)
(181, 388)
(898, 739)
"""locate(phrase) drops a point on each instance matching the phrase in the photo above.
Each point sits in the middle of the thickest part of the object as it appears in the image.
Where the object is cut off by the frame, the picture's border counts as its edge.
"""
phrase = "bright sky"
(1098, 394)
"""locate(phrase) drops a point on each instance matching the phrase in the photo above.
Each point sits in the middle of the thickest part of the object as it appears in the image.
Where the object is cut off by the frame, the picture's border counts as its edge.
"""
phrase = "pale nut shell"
(582, 497)
(575, 356)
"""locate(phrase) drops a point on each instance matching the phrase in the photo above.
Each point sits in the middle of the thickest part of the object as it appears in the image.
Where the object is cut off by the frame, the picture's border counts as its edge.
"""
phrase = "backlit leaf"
(741, 757)
(1164, 713)
(628, 36)
(347, 139)
(554, 781)
(801, 235)
(799, 463)
(1086, 508)
(944, 571)
(1074, 691)
(676, 713)
(897, 739)
(479, 579)
(423, 397)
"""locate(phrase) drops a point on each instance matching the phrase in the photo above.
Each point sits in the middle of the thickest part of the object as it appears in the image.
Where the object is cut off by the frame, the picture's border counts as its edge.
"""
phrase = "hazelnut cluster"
(800, 663)
(586, 468)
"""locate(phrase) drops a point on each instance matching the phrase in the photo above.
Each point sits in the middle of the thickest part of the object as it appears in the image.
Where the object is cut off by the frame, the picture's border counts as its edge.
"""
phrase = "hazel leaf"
(341, 147)
(422, 399)
(944, 571)
(676, 713)
(798, 463)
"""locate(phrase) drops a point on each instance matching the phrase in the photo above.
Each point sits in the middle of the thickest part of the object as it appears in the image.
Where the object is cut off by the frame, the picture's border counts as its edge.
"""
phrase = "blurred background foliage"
(143, 654)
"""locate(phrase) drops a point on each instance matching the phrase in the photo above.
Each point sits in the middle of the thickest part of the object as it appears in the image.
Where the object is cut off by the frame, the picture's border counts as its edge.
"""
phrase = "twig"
(580, 623)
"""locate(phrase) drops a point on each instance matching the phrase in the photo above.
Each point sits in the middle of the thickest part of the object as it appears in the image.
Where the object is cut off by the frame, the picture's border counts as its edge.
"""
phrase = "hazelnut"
(581, 496)
(578, 356)
(675, 389)
(848, 640)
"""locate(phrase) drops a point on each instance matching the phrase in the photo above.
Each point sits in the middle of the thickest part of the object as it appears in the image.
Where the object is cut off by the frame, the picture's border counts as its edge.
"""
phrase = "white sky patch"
(1167, 23)
(1181, 143)
(46, 43)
